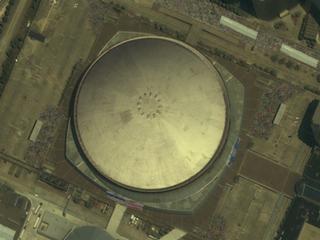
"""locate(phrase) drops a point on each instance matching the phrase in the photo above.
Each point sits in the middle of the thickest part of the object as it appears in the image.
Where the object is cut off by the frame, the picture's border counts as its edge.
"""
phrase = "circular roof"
(88, 233)
(150, 113)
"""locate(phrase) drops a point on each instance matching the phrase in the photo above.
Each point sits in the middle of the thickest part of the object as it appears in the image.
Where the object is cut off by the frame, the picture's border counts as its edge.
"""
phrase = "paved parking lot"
(268, 174)
(42, 71)
(284, 146)
(251, 211)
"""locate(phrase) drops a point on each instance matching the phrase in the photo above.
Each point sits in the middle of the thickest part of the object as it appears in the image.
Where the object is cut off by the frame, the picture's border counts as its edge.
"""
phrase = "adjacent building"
(88, 233)
(313, 7)
(309, 30)
(309, 232)
(315, 124)
(269, 9)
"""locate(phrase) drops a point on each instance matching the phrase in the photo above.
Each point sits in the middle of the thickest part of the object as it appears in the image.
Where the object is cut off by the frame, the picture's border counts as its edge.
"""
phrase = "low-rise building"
(309, 232)
(309, 30)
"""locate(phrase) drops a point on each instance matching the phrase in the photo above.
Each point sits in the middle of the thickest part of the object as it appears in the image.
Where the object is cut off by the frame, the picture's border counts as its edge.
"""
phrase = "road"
(225, 39)
(12, 27)
(18, 162)
(29, 186)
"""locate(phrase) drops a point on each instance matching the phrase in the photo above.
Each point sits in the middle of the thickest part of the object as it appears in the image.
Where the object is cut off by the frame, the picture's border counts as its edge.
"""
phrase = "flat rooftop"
(309, 232)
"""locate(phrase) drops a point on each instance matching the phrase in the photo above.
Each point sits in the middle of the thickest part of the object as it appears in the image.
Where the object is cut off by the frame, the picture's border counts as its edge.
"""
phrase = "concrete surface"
(37, 80)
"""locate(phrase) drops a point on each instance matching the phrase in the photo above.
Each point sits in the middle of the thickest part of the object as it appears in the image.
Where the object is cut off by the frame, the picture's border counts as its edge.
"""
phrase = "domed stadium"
(150, 114)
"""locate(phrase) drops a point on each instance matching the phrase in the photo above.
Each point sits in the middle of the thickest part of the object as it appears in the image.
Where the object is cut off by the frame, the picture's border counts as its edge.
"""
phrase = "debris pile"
(38, 150)
(270, 102)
